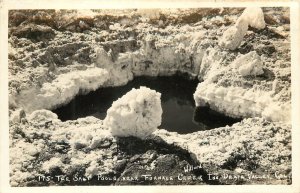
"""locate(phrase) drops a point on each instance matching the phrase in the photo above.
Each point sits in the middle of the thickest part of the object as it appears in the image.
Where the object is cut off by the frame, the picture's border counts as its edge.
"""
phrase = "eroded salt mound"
(233, 36)
(138, 113)
(249, 64)
(43, 115)
(255, 17)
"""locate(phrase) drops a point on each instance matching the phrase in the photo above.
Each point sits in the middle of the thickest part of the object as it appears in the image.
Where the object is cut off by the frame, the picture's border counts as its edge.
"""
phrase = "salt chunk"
(51, 164)
(255, 17)
(233, 36)
(42, 116)
(17, 115)
(138, 113)
(249, 64)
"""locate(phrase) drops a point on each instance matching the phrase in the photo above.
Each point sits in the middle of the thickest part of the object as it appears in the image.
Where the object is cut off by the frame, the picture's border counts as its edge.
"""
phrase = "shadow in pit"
(151, 161)
(155, 162)
(268, 75)
(210, 119)
(267, 32)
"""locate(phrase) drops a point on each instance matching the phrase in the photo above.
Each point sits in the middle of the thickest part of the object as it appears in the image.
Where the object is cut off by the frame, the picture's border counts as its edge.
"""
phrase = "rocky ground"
(57, 54)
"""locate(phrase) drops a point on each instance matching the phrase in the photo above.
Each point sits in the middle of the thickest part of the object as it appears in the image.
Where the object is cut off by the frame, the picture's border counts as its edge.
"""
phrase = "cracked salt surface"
(179, 111)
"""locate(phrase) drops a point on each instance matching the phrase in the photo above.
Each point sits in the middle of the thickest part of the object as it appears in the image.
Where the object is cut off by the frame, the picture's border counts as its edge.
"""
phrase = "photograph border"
(5, 6)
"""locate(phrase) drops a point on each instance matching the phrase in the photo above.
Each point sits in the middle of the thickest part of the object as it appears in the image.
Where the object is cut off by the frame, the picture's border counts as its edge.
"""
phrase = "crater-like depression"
(179, 111)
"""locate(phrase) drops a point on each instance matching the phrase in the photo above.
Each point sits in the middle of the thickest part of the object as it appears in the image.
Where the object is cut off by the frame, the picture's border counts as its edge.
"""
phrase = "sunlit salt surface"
(179, 111)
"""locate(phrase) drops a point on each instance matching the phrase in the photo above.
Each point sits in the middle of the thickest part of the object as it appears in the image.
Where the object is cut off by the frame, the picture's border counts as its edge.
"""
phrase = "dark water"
(179, 111)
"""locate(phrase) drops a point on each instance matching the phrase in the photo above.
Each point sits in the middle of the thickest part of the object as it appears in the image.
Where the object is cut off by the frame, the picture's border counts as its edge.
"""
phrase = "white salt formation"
(240, 102)
(255, 17)
(62, 89)
(41, 116)
(225, 142)
(210, 65)
(249, 64)
(234, 35)
(104, 59)
(17, 116)
(137, 113)
(88, 136)
(54, 162)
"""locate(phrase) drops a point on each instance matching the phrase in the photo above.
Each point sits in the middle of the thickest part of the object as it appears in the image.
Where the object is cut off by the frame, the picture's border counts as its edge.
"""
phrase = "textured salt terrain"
(55, 55)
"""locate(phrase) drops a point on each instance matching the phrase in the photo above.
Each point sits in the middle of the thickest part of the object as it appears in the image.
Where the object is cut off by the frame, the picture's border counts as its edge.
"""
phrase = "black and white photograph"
(150, 96)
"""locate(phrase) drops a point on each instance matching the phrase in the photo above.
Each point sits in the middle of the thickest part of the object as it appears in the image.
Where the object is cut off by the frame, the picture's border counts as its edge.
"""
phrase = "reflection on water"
(179, 112)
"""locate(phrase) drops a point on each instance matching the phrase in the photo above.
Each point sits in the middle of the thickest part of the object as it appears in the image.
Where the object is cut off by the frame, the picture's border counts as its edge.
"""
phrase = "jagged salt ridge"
(233, 36)
(236, 101)
(61, 90)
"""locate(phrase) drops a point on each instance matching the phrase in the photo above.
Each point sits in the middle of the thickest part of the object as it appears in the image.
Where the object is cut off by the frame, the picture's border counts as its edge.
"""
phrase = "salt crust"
(249, 64)
(239, 102)
(62, 89)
